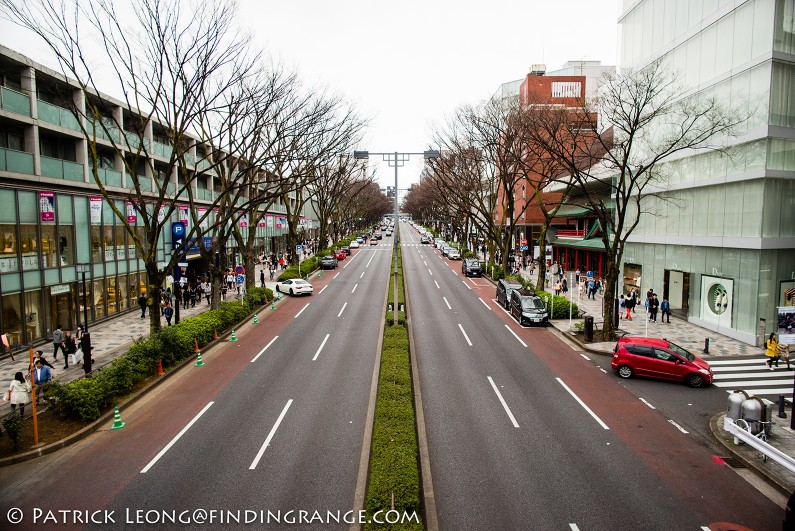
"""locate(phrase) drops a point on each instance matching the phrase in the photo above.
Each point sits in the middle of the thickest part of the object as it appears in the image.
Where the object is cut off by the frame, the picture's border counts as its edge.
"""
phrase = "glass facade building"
(720, 242)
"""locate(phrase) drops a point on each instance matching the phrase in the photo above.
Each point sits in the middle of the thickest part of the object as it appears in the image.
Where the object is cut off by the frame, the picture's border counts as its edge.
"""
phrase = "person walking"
(558, 287)
(85, 346)
(654, 305)
(57, 341)
(665, 307)
(262, 277)
(772, 350)
(629, 304)
(621, 302)
(18, 393)
(168, 312)
(70, 347)
(564, 287)
(39, 355)
(208, 292)
(142, 304)
(41, 374)
(591, 289)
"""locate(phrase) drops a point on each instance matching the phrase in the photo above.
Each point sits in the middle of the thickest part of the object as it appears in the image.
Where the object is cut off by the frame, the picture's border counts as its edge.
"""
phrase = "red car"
(339, 254)
(659, 358)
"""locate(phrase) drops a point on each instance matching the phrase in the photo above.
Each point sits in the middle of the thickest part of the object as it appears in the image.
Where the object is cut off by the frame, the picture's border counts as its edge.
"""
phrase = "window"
(8, 251)
(566, 89)
(34, 317)
(12, 319)
(96, 244)
(664, 355)
(99, 298)
(49, 246)
(29, 245)
(66, 237)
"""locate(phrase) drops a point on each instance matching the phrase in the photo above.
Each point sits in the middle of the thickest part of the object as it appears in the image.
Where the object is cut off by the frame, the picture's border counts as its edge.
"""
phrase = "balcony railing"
(53, 114)
(161, 150)
(61, 169)
(16, 161)
(570, 233)
(14, 101)
(109, 177)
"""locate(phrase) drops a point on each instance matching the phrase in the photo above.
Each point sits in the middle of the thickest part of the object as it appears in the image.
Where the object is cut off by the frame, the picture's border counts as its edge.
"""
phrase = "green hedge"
(560, 305)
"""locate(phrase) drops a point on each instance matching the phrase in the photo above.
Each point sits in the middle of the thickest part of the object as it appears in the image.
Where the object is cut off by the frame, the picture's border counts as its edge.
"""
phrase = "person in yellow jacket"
(772, 350)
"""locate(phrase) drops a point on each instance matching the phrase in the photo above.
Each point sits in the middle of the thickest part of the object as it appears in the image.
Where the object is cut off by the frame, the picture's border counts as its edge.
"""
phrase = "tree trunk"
(154, 279)
(610, 284)
(542, 258)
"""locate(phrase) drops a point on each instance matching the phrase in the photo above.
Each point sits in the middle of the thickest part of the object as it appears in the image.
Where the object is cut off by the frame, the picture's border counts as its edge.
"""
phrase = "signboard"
(240, 270)
(47, 206)
(240, 279)
(63, 288)
(131, 215)
(96, 208)
(299, 249)
(523, 247)
(786, 325)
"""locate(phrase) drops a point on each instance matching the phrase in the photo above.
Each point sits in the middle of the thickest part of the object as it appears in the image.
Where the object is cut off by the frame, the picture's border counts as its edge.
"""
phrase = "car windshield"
(682, 352)
(532, 303)
(474, 263)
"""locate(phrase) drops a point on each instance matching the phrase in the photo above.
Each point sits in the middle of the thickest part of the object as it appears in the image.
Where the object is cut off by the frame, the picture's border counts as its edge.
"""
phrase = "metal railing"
(743, 434)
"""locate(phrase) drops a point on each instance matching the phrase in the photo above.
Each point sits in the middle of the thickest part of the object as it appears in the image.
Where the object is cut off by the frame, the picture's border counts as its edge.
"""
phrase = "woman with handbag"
(18, 393)
(70, 347)
(772, 350)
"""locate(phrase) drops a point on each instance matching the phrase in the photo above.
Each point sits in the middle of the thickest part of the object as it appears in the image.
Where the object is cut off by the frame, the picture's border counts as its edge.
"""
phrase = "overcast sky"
(407, 64)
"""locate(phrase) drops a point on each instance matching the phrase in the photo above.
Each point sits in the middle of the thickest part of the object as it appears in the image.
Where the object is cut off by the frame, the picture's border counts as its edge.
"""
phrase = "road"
(272, 422)
(524, 433)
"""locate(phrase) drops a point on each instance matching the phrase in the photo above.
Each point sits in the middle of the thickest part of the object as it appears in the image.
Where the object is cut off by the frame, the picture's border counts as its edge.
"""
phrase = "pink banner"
(183, 214)
(131, 215)
(47, 206)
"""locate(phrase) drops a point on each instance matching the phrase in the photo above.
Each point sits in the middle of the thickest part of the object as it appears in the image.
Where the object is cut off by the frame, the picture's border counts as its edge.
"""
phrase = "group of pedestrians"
(651, 303)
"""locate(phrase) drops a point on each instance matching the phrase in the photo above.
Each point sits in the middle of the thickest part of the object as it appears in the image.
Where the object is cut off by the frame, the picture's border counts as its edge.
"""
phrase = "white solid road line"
(484, 303)
(574, 527)
(467, 285)
(370, 260)
(517, 337)
(270, 436)
(323, 344)
(502, 401)
(465, 334)
(586, 358)
(678, 427)
(447, 303)
(647, 403)
(176, 438)
(261, 352)
(342, 310)
(426, 263)
(362, 275)
(302, 310)
(322, 290)
(351, 260)
(738, 362)
(429, 271)
(437, 285)
(354, 287)
(586, 408)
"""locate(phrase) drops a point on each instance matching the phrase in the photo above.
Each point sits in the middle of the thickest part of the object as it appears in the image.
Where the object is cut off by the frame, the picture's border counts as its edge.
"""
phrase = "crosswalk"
(754, 377)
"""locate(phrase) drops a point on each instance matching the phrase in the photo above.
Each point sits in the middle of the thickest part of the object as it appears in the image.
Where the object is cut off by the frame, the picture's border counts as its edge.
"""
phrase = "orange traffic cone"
(160, 368)
(215, 333)
(196, 344)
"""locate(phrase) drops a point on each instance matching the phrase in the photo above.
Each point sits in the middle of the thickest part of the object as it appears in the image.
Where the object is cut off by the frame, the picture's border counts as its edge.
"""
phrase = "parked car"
(439, 244)
(294, 286)
(659, 358)
(528, 308)
(445, 249)
(470, 267)
(347, 249)
(355, 243)
(339, 254)
(504, 288)
(328, 262)
(374, 242)
(453, 253)
(425, 240)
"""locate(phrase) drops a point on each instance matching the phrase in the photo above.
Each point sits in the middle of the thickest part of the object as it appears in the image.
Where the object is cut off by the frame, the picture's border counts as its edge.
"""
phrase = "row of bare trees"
(199, 104)
(500, 159)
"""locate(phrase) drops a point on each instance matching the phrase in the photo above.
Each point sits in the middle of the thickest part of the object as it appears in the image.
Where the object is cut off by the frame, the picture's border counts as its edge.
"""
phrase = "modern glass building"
(720, 244)
(52, 216)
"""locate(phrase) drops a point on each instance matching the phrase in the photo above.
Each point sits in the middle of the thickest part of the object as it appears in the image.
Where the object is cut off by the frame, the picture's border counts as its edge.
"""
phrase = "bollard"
(706, 346)
(782, 414)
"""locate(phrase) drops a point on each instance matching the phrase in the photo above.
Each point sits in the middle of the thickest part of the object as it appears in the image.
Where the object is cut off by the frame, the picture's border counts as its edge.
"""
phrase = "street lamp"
(84, 268)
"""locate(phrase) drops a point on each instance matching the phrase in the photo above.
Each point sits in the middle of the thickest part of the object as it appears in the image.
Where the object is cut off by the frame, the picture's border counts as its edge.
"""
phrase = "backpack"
(169, 311)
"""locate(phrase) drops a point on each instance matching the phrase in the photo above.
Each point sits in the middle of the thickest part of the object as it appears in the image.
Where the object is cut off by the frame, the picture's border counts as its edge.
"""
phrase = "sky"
(408, 64)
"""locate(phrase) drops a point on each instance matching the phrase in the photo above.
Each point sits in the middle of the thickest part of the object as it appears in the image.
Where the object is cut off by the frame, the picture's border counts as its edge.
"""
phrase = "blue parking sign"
(240, 279)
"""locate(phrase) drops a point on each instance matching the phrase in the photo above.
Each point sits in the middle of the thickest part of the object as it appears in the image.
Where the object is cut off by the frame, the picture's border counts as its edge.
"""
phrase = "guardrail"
(744, 434)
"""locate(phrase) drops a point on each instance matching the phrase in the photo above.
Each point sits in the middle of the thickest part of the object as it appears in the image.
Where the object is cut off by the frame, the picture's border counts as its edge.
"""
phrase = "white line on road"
(342, 310)
(426, 263)
(429, 271)
(354, 287)
(270, 436)
(585, 357)
(175, 439)
(370, 260)
(484, 303)
(349, 261)
(517, 337)
(335, 275)
(437, 285)
(321, 291)
(502, 401)
(601, 369)
(465, 334)
(261, 352)
(737, 362)
(467, 285)
(302, 310)
(362, 275)
(574, 527)
(323, 344)
(647, 403)
(472, 280)
(577, 398)
(447, 303)
(678, 427)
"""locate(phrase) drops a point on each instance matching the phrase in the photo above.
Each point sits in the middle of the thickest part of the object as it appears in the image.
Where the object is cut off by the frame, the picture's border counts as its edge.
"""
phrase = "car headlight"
(704, 371)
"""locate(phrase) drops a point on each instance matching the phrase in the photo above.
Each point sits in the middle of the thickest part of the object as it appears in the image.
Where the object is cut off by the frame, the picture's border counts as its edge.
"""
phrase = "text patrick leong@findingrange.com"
(208, 517)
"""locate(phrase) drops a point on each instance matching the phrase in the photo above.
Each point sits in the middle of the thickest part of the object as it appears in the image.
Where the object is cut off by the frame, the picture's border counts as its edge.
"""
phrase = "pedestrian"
(654, 305)
(142, 304)
(208, 292)
(271, 271)
(186, 297)
(230, 281)
(168, 296)
(665, 307)
(558, 287)
(88, 360)
(621, 302)
(79, 333)
(577, 275)
(772, 350)
(70, 347)
(39, 355)
(57, 341)
(591, 289)
(41, 374)
(565, 287)
(783, 352)
(18, 393)
(168, 313)
(629, 304)
(262, 277)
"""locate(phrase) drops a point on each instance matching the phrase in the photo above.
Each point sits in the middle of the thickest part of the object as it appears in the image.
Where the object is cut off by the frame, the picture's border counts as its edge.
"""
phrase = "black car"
(504, 288)
(470, 267)
(346, 249)
(528, 308)
(328, 262)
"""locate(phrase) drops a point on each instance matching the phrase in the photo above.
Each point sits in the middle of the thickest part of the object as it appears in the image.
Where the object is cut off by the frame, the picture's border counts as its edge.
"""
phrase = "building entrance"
(62, 311)
(676, 288)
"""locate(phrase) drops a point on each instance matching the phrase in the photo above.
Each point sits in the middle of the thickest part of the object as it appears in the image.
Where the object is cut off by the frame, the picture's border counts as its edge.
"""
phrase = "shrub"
(256, 297)
(119, 378)
(12, 425)
(560, 305)
(85, 398)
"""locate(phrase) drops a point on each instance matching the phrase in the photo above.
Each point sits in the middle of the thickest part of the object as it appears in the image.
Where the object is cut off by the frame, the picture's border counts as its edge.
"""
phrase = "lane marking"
(467, 285)
(302, 311)
(601, 369)
(342, 310)
(321, 291)
(737, 362)
(647, 403)
(354, 288)
(261, 352)
(270, 436)
(484, 303)
(176, 438)
(351, 259)
(437, 285)
(678, 427)
(574, 527)
(517, 337)
(502, 401)
(362, 275)
(447, 303)
(472, 280)
(586, 408)
(426, 263)
(585, 357)
(335, 275)
(429, 271)
(323, 344)
(465, 334)
(370, 260)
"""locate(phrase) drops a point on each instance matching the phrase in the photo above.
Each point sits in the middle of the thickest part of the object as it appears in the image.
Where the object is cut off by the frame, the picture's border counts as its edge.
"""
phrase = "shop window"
(12, 319)
(632, 277)
(124, 294)
(121, 249)
(99, 298)
(96, 244)
(113, 295)
(66, 244)
(108, 239)
(34, 317)
(29, 245)
(49, 246)
(8, 252)
(141, 233)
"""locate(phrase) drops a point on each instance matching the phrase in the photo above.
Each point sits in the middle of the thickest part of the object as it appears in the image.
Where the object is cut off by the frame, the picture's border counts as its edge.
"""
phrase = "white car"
(373, 242)
(354, 244)
(294, 286)
(453, 254)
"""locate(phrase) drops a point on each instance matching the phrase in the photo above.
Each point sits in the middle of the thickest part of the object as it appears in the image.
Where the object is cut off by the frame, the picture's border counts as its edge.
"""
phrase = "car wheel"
(507, 306)
(291, 292)
(695, 380)
(625, 371)
(277, 289)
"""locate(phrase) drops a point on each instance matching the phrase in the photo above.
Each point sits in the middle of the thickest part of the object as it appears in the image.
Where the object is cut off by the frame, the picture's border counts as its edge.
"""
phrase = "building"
(52, 216)
(720, 244)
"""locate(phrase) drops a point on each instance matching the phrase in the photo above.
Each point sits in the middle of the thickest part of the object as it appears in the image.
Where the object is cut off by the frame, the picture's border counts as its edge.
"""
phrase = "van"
(528, 308)
(504, 288)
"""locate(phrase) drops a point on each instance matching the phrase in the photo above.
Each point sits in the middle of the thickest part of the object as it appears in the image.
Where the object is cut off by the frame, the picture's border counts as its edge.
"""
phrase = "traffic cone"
(215, 333)
(233, 338)
(199, 362)
(273, 304)
(117, 423)
(278, 295)
(160, 368)
(195, 346)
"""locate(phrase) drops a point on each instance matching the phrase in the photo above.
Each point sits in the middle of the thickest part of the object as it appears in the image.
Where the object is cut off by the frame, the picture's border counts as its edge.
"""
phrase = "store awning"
(590, 245)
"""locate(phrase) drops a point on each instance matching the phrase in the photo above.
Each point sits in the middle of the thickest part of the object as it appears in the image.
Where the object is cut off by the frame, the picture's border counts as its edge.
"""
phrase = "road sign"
(240, 279)
(523, 247)
(239, 270)
(298, 249)
(524, 242)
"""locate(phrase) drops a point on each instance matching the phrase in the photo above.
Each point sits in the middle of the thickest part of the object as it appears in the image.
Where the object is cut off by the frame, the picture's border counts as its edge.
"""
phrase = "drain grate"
(731, 462)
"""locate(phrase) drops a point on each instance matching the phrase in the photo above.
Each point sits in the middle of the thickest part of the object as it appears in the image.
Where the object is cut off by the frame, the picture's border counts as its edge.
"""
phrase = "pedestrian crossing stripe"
(752, 376)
